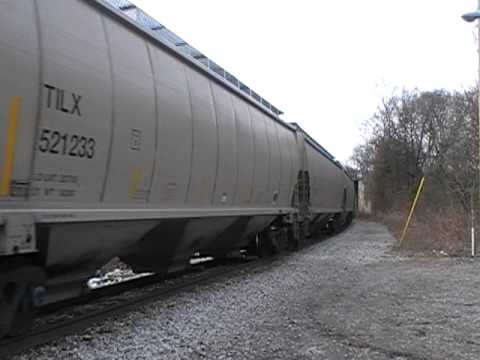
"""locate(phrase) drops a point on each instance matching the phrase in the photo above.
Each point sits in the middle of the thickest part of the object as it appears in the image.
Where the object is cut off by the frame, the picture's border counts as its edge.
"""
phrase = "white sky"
(328, 63)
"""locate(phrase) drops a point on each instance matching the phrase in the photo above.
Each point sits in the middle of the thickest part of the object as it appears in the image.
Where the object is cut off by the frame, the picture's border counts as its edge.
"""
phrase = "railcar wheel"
(281, 239)
(22, 291)
(349, 218)
(295, 236)
(335, 224)
(305, 230)
(264, 245)
(7, 307)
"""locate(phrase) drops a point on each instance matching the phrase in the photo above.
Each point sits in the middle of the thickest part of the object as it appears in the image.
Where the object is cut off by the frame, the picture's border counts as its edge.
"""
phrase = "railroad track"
(160, 290)
(50, 332)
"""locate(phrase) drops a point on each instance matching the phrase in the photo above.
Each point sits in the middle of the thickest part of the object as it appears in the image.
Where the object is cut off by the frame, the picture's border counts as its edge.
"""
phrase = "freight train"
(118, 139)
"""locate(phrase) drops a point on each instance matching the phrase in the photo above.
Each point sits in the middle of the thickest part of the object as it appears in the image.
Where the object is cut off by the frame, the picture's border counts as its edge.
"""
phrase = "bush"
(440, 230)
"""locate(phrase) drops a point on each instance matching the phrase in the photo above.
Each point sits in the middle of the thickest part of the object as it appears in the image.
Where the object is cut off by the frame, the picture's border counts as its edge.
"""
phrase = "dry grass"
(430, 230)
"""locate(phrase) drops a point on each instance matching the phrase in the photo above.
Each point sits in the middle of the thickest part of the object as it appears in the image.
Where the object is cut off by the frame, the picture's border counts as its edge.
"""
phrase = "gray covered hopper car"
(114, 143)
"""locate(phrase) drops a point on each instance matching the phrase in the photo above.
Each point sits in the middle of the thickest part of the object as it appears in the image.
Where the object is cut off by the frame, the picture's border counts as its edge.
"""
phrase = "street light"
(471, 17)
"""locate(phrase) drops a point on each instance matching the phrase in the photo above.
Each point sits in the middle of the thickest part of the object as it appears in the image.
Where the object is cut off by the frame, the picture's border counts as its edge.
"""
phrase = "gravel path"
(348, 297)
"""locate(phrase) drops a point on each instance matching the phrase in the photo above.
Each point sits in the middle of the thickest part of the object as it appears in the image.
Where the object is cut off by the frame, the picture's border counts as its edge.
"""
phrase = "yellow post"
(412, 209)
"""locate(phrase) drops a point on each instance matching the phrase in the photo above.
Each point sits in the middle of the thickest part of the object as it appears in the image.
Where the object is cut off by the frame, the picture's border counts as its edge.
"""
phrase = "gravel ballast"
(348, 297)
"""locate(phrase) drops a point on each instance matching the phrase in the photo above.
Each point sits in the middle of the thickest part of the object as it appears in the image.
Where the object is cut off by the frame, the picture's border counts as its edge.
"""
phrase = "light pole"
(471, 17)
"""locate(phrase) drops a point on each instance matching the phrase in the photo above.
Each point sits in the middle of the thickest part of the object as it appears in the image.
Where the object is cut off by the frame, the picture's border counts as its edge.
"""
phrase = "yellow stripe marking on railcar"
(135, 181)
(7, 170)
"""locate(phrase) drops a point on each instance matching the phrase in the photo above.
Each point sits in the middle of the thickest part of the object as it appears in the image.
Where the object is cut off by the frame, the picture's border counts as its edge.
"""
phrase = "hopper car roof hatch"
(146, 21)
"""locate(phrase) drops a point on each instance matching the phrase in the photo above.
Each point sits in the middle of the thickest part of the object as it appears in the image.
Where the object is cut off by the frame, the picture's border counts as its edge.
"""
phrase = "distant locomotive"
(116, 143)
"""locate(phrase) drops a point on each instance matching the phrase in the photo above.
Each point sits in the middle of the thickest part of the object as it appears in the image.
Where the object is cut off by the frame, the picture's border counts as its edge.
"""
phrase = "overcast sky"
(328, 63)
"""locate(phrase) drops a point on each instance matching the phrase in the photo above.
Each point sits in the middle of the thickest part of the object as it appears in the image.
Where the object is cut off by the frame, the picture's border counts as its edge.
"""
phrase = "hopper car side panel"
(296, 161)
(73, 134)
(19, 98)
(227, 169)
(261, 157)
(79, 248)
(204, 150)
(326, 183)
(288, 170)
(245, 153)
(350, 202)
(134, 133)
(174, 134)
(275, 163)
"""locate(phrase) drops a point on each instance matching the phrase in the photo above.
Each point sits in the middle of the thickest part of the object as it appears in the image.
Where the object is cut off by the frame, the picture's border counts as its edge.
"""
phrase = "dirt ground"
(348, 297)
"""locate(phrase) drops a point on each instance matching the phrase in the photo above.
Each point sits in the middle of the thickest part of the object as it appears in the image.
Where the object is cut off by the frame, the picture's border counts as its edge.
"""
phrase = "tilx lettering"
(62, 100)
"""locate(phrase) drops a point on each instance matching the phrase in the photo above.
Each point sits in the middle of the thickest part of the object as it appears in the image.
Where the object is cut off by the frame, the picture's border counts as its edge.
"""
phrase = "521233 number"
(55, 142)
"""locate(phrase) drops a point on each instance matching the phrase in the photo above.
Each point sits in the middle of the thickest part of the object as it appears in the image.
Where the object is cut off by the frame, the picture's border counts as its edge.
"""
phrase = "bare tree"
(418, 133)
